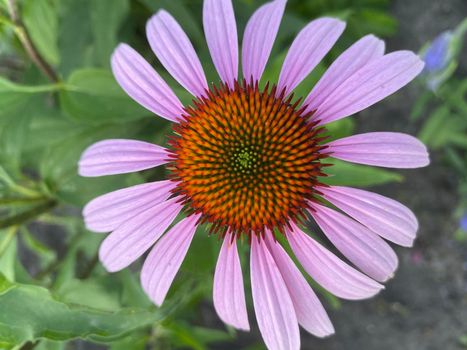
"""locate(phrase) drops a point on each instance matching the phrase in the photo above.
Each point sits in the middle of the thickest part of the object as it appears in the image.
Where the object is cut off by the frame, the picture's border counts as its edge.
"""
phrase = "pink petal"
(228, 291)
(111, 157)
(372, 83)
(176, 53)
(364, 51)
(107, 212)
(383, 215)
(273, 306)
(307, 50)
(142, 83)
(364, 248)
(260, 33)
(328, 270)
(385, 149)
(310, 312)
(165, 259)
(221, 35)
(128, 242)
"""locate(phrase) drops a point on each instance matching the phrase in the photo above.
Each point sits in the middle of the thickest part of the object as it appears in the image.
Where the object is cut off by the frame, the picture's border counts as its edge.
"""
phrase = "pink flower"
(248, 162)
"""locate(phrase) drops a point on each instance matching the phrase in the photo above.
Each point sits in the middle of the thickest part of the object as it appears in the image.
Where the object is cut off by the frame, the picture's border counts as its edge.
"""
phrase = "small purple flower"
(463, 222)
(437, 55)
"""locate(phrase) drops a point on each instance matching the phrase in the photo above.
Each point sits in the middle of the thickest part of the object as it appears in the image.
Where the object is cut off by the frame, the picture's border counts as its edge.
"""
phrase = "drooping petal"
(107, 212)
(387, 217)
(328, 270)
(364, 248)
(350, 61)
(228, 291)
(370, 84)
(260, 34)
(274, 309)
(111, 157)
(310, 312)
(385, 149)
(176, 53)
(220, 29)
(142, 83)
(128, 242)
(165, 259)
(307, 50)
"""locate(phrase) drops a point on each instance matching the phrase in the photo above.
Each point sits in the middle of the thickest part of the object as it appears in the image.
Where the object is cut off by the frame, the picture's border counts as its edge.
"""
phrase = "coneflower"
(248, 162)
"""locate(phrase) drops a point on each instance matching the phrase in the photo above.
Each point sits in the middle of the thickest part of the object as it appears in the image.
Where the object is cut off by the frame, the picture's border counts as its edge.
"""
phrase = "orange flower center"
(247, 160)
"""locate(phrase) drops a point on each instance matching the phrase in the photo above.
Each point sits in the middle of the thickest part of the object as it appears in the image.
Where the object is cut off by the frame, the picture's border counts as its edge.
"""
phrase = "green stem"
(28, 215)
(28, 44)
(90, 267)
(40, 88)
(4, 177)
(20, 201)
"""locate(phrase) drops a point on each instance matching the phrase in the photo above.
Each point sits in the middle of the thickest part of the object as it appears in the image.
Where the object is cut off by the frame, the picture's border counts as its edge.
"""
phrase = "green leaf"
(340, 128)
(10, 98)
(29, 312)
(442, 128)
(13, 130)
(347, 174)
(8, 252)
(50, 345)
(136, 341)
(7, 86)
(41, 20)
(374, 21)
(105, 25)
(92, 96)
(197, 338)
(14, 97)
(47, 127)
(100, 293)
(75, 35)
(59, 164)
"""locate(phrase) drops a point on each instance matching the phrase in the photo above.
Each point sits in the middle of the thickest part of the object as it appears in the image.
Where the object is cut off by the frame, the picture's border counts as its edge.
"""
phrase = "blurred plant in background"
(446, 127)
(57, 96)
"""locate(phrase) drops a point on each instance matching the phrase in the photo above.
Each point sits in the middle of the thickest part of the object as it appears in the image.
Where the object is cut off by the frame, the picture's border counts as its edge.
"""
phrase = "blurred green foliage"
(53, 290)
(445, 101)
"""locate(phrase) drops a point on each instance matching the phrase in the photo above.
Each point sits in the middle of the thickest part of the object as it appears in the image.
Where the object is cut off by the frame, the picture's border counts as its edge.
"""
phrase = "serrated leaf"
(29, 312)
(100, 293)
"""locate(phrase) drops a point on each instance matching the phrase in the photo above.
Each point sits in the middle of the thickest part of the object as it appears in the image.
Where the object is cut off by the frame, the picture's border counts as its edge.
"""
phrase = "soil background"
(425, 306)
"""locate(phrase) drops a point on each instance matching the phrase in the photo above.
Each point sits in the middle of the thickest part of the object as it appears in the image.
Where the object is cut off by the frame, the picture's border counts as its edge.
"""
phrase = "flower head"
(463, 222)
(436, 56)
(441, 55)
(248, 161)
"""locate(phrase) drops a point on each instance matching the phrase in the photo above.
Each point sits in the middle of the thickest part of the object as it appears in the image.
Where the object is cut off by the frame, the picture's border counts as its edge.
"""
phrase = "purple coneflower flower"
(248, 162)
